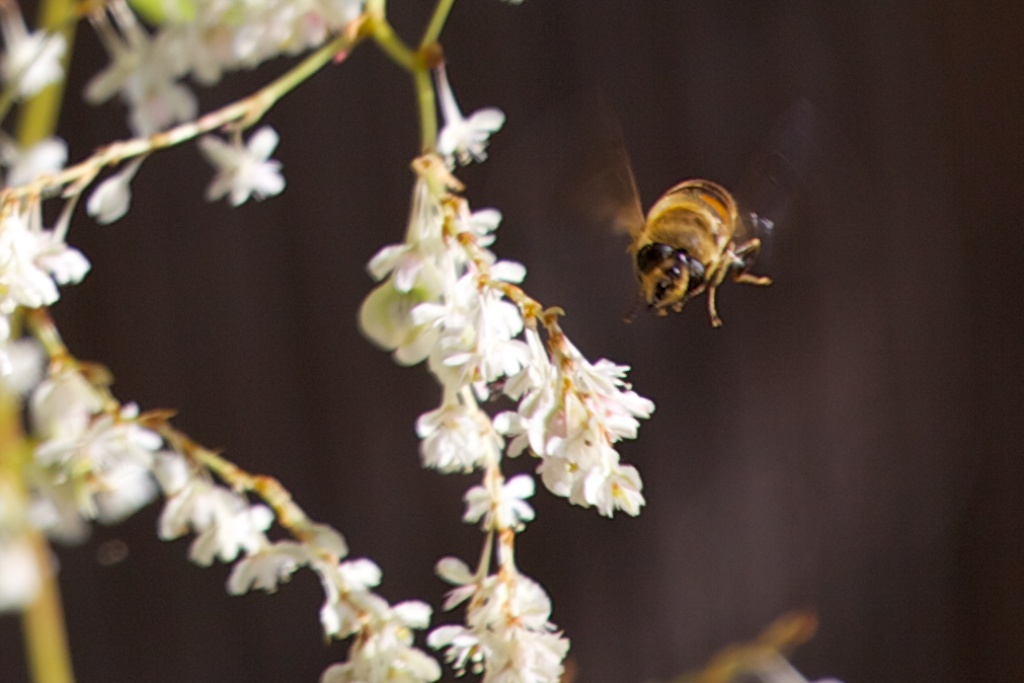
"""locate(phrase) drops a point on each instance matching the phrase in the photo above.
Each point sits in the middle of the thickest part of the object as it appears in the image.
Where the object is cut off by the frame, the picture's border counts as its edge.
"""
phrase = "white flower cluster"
(445, 298)
(229, 528)
(33, 261)
(90, 461)
(571, 413)
(95, 459)
(202, 39)
(508, 635)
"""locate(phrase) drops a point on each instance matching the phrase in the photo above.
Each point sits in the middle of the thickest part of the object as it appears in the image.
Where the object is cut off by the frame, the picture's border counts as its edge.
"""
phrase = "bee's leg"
(716, 278)
(712, 311)
(743, 258)
(750, 279)
(748, 251)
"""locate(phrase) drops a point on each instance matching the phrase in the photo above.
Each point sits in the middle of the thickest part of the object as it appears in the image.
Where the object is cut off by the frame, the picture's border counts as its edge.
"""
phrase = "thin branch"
(243, 113)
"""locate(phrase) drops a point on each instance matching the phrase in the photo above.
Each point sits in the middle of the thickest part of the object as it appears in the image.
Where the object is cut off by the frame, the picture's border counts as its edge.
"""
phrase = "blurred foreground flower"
(243, 171)
(762, 660)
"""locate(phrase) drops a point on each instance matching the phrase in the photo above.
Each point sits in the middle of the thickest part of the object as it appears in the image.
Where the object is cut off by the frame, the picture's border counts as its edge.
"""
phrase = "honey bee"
(697, 234)
(693, 238)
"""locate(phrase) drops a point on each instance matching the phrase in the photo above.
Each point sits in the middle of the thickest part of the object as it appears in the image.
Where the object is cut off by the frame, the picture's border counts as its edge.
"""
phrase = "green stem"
(269, 95)
(45, 633)
(391, 44)
(418, 63)
(428, 109)
(46, 640)
(437, 21)
(42, 622)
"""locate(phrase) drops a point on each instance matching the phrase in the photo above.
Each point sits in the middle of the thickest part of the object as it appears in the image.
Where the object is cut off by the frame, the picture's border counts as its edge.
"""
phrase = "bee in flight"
(697, 234)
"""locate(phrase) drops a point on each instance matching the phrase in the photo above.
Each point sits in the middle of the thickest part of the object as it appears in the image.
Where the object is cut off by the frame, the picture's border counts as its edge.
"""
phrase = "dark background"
(851, 440)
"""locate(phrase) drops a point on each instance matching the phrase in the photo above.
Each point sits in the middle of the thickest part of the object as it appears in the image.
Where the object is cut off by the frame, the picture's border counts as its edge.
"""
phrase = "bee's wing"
(574, 157)
(778, 173)
(605, 191)
(599, 187)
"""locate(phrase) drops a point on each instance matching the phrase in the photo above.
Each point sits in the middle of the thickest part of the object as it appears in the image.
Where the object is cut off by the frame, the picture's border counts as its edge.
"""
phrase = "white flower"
(517, 600)
(384, 651)
(414, 276)
(613, 403)
(173, 474)
(26, 165)
(507, 510)
(144, 71)
(570, 415)
(385, 317)
(21, 363)
(456, 572)
(483, 223)
(268, 567)
(324, 539)
(580, 462)
(772, 667)
(507, 632)
(110, 200)
(477, 328)
(157, 103)
(463, 139)
(19, 574)
(215, 37)
(54, 511)
(64, 264)
(537, 388)
(62, 406)
(463, 649)
(228, 526)
(106, 458)
(189, 500)
(528, 656)
(243, 171)
(31, 259)
(122, 491)
(104, 442)
(620, 490)
(32, 60)
(457, 438)
(347, 589)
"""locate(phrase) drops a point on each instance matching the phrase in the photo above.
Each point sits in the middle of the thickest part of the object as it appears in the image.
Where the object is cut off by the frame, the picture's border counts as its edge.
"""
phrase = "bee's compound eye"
(651, 255)
(697, 273)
